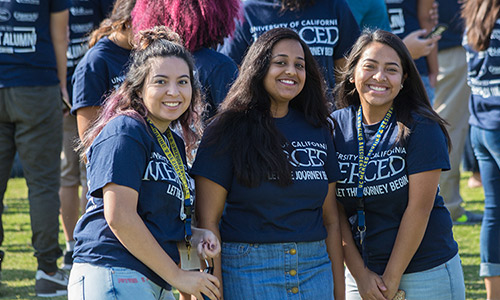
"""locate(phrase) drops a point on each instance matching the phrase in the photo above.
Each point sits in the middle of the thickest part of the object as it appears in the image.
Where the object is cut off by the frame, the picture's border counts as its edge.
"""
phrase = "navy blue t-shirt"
(483, 77)
(84, 16)
(27, 55)
(449, 14)
(216, 73)
(328, 28)
(386, 187)
(404, 20)
(102, 69)
(270, 213)
(127, 153)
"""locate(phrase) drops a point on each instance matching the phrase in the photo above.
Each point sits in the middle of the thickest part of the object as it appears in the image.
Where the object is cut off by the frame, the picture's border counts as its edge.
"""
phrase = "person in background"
(412, 20)
(140, 195)
(326, 26)
(370, 14)
(84, 16)
(103, 67)
(451, 98)
(32, 83)
(481, 41)
(392, 146)
(266, 170)
(202, 25)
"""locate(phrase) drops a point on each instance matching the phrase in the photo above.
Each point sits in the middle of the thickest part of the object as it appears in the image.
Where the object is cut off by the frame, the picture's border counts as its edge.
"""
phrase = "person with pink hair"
(202, 25)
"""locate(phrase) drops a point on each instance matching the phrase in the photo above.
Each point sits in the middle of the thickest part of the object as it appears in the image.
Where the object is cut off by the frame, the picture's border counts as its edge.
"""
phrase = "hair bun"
(149, 36)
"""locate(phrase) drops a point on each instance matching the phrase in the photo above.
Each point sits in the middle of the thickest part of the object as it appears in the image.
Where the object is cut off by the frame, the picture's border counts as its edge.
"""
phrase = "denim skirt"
(276, 271)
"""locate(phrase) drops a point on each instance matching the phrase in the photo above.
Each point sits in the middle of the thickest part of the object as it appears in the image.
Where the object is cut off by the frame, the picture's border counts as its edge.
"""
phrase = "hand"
(196, 283)
(371, 286)
(418, 45)
(392, 285)
(206, 243)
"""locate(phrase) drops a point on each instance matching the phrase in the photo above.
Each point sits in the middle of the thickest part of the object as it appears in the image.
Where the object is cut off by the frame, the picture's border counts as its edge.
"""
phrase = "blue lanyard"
(174, 157)
(362, 163)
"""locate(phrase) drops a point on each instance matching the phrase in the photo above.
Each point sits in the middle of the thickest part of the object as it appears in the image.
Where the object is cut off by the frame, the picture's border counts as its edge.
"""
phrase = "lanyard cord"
(174, 157)
(362, 163)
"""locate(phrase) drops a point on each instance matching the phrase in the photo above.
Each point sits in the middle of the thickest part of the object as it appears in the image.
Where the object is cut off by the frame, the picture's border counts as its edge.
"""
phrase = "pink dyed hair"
(200, 23)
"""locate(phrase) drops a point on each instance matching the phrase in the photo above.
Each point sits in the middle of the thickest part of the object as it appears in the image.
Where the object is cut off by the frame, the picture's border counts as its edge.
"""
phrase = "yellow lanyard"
(174, 157)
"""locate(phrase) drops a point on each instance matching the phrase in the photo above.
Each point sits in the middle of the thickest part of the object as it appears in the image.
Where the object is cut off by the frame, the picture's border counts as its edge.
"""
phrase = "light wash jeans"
(444, 282)
(276, 271)
(486, 144)
(88, 281)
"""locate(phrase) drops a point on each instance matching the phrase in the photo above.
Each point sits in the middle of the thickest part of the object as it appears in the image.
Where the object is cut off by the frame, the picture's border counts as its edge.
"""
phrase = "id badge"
(188, 262)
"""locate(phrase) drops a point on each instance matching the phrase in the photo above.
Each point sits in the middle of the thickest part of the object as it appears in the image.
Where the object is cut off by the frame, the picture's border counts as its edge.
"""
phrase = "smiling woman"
(139, 192)
(267, 163)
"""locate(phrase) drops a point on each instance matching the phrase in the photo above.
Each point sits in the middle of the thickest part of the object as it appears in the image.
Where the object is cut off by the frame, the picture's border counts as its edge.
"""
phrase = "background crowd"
(77, 77)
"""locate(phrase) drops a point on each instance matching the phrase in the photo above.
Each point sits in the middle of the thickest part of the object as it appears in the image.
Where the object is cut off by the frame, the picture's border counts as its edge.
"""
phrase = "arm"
(120, 211)
(59, 36)
(370, 285)
(334, 241)
(210, 201)
(84, 118)
(422, 191)
(424, 9)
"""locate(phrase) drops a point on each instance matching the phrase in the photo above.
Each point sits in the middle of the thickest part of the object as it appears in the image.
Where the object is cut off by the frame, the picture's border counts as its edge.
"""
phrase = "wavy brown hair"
(480, 17)
(154, 43)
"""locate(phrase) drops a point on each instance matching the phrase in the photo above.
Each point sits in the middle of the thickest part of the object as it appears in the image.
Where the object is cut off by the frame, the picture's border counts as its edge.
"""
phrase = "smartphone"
(438, 30)
(66, 102)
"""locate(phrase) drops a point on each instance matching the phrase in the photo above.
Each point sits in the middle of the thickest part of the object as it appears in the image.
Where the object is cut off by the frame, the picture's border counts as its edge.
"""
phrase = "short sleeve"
(59, 5)
(119, 159)
(214, 165)
(427, 148)
(90, 83)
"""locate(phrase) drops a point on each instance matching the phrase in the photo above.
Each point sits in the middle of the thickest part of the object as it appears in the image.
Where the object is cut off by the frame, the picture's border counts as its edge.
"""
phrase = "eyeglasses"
(209, 268)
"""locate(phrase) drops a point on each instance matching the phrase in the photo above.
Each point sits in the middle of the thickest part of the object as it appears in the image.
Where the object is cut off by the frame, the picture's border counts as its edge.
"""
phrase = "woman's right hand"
(197, 283)
(370, 286)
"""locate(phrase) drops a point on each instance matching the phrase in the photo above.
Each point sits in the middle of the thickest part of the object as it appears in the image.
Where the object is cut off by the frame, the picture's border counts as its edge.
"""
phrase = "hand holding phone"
(438, 30)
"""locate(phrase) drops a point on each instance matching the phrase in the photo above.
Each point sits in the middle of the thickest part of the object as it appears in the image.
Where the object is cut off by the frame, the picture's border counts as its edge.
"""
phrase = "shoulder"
(125, 126)
(344, 115)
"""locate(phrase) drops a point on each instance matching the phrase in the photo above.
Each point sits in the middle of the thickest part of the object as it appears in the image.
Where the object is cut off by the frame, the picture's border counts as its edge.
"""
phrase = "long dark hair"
(244, 123)
(480, 17)
(411, 98)
(153, 43)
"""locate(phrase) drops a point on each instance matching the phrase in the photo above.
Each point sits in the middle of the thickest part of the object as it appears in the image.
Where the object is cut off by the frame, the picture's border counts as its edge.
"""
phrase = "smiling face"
(167, 90)
(286, 75)
(378, 77)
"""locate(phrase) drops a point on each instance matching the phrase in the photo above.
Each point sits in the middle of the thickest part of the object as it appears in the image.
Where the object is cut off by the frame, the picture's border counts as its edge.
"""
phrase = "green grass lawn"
(19, 267)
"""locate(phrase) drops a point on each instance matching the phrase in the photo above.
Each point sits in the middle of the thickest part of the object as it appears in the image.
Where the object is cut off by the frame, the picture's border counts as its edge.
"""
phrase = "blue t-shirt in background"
(126, 153)
(404, 20)
(27, 55)
(99, 72)
(327, 27)
(84, 16)
(483, 77)
(449, 14)
(370, 14)
(216, 73)
(386, 188)
(270, 213)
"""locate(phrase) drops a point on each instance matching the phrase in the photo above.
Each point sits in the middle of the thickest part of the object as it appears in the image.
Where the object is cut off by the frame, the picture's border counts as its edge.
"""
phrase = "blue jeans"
(428, 88)
(276, 271)
(444, 282)
(486, 144)
(88, 281)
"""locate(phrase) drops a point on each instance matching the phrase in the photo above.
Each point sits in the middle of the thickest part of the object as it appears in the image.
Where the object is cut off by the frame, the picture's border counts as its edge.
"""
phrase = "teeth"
(287, 81)
(377, 88)
(171, 104)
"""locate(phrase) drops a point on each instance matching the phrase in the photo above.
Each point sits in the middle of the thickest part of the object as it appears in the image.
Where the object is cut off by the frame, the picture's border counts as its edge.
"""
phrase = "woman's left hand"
(207, 244)
(392, 286)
